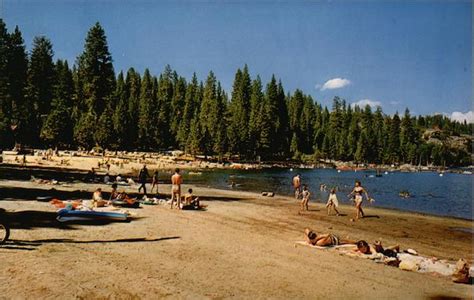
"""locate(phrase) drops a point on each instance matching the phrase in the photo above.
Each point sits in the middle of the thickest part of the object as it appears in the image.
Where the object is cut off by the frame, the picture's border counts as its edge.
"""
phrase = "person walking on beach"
(357, 194)
(142, 177)
(154, 182)
(297, 185)
(306, 194)
(332, 202)
(176, 181)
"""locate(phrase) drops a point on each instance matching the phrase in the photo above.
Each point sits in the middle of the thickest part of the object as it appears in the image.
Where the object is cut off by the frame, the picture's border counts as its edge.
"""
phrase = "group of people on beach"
(302, 192)
(189, 201)
(176, 181)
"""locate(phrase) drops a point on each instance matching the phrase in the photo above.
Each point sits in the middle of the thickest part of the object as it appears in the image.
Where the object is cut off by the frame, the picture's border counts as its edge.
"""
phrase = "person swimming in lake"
(305, 194)
(324, 240)
(332, 202)
(357, 196)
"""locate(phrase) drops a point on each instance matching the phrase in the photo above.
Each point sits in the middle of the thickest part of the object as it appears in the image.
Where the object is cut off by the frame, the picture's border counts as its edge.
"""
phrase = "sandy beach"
(242, 246)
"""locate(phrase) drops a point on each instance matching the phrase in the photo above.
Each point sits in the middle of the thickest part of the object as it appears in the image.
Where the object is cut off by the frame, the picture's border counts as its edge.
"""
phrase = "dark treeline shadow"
(21, 193)
(15, 172)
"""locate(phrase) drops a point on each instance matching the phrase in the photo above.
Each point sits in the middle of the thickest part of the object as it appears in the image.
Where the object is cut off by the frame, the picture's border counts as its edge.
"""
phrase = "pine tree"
(281, 138)
(96, 70)
(164, 137)
(17, 65)
(208, 115)
(220, 138)
(84, 129)
(58, 127)
(240, 113)
(177, 105)
(120, 118)
(6, 139)
(192, 103)
(147, 120)
(194, 142)
(41, 81)
(394, 139)
(132, 90)
(103, 135)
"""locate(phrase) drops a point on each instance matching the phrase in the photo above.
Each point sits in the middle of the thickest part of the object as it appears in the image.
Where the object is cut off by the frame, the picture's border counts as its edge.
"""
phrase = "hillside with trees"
(46, 103)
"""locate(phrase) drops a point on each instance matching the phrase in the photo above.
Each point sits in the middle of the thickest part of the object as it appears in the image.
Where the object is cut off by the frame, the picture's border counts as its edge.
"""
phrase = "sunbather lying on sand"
(324, 240)
(364, 248)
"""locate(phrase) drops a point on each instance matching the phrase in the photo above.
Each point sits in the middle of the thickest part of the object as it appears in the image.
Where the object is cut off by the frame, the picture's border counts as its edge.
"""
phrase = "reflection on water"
(450, 195)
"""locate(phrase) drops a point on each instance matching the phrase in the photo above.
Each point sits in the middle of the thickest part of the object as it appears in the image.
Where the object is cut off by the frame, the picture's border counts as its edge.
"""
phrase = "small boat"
(404, 194)
(65, 215)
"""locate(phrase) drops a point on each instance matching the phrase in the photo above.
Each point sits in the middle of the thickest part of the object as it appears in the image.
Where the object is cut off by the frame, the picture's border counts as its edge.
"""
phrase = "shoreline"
(79, 173)
(169, 161)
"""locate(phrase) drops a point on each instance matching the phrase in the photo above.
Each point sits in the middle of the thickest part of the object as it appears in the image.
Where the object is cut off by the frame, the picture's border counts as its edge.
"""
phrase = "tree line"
(47, 103)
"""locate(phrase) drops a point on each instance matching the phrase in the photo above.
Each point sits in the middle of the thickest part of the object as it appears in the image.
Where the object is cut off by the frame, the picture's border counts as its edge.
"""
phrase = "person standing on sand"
(297, 185)
(142, 177)
(357, 194)
(306, 194)
(154, 182)
(332, 202)
(176, 181)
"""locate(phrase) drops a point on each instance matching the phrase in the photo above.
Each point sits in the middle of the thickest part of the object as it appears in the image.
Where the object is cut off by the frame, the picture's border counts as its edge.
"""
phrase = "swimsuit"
(175, 188)
(358, 196)
(334, 239)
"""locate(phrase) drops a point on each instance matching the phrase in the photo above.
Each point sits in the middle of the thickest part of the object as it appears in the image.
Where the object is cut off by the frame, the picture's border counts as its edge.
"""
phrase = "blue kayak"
(65, 215)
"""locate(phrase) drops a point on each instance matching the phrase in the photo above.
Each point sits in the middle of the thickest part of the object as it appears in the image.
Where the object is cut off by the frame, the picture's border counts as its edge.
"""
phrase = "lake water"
(449, 195)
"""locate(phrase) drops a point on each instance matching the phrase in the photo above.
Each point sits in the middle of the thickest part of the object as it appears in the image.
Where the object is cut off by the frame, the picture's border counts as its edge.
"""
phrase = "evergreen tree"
(58, 127)
(132, 90)
(164, 137)
(147, 120)
(394, 139)
(41, 82)
(220, 136)
(6, 139)
(104, 133)
(121, 118)
(84, 129)
(280, 141)
(191, 103)
(96, 70)
(17, 65)
(177, 105)
(240, 113)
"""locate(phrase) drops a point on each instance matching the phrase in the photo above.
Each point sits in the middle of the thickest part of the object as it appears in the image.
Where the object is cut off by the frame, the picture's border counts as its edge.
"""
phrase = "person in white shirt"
(332, 202)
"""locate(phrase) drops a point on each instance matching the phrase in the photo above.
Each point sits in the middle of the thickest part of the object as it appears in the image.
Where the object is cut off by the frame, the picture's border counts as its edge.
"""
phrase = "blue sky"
(392, 53)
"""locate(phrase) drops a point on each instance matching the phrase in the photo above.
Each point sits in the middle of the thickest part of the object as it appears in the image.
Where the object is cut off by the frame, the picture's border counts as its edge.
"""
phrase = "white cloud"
(335, 83)
(460, 116)
(394, 103)
(364, 102)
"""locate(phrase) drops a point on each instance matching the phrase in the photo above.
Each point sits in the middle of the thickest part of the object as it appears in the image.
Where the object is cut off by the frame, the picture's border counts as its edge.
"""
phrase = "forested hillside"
(51, 103)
